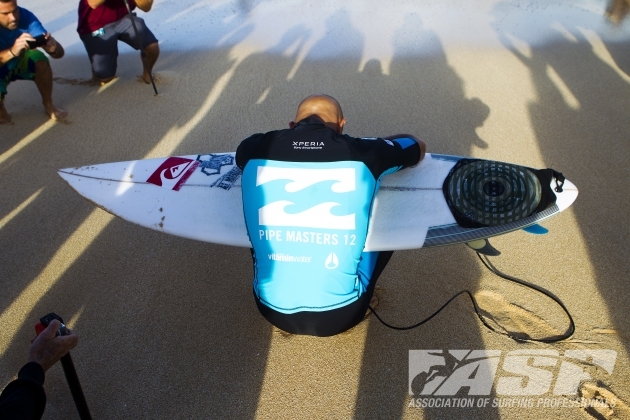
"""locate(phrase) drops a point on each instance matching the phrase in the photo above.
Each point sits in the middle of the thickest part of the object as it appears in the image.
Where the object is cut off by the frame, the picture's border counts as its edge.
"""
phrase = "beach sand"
(168, 326)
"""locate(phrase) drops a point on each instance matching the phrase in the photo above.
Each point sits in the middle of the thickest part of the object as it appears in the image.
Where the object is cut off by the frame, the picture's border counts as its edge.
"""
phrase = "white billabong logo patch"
(318, 216)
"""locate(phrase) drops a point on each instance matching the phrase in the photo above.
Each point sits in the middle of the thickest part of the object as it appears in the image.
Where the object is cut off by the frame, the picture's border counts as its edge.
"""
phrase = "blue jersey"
(307, 197)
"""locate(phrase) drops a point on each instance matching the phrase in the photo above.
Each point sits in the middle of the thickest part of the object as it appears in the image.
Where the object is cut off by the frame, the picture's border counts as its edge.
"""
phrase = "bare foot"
(56, 114)
(5, 118)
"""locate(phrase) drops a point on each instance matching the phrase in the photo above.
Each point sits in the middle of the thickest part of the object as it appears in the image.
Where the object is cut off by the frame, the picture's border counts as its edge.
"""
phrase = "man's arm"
(25, 398)
(245, 149)
(16, 49)
(52, 47)
(6, 56)
(423, 146)
(48, 347)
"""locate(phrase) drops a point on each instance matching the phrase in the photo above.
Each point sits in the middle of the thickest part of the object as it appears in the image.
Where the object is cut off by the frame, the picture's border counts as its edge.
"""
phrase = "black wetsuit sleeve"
(410, 151)
(382, 155)
(246, 149)
(24, 398)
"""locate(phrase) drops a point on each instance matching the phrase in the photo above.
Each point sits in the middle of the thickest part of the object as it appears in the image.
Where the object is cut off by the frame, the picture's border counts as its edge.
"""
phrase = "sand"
(168, 327)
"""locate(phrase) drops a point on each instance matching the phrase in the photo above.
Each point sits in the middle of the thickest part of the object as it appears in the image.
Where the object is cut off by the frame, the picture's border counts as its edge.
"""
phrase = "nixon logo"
(332, 261)
(318, 216)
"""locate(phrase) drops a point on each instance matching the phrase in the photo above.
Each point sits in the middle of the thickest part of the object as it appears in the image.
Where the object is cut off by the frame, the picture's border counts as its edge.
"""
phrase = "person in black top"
(307, 197)
(24, 398)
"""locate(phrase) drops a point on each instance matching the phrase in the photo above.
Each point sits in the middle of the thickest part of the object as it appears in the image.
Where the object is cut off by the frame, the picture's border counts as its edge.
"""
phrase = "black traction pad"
(488, 193)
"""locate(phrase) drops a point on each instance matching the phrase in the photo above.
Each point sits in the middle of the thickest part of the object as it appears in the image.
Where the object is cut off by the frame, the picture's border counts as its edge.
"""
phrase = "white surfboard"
(199, 197)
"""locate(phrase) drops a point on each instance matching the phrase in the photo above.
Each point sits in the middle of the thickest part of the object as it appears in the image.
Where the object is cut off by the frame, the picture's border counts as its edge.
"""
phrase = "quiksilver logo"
(173, 172)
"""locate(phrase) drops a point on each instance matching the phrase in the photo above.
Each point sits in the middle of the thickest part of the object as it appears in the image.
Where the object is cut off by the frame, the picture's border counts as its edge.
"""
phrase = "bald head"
(325, 108)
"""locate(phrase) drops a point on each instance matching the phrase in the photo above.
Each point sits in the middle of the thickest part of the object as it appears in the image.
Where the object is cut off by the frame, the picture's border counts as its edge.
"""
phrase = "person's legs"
(335, 321)
(370, 268)
(5, 79)
(103, 53)
(152, 52)
(148, 42)
(319, 324)
(33, 65)
(44, 81)
(4, 115)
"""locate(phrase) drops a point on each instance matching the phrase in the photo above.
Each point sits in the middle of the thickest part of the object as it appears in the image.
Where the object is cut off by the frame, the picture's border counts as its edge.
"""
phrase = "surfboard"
(199, 197)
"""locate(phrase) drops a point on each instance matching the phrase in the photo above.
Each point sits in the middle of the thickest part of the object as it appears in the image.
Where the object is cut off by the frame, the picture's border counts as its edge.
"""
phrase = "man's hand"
(52, 47)
(47, 348)
(21, 44)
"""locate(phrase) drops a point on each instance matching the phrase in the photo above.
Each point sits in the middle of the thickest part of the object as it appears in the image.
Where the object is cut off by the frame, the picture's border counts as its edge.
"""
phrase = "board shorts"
(19, 68)
(102, 45)
(331, 322)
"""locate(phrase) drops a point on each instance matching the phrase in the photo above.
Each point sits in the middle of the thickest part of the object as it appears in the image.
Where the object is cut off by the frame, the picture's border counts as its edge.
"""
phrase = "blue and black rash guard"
(307, 197)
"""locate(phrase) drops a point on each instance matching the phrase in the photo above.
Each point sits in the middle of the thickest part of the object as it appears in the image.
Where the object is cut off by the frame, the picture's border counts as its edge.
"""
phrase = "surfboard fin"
(536, 229)
(482, 246)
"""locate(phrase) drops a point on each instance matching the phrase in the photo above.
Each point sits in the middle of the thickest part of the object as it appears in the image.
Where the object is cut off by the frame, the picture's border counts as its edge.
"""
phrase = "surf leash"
(142, 54)
(522, 337)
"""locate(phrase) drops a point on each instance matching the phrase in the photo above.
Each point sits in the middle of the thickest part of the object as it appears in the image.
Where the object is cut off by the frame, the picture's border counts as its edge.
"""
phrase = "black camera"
(45, 321)
(40, 40)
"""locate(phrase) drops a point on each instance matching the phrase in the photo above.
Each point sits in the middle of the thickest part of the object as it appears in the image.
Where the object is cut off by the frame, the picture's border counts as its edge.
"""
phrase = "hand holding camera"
(54, 341)
(38, 41)
(27, 42)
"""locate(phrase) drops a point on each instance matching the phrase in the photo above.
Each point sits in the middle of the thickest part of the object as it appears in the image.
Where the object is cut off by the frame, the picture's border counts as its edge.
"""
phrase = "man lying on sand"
(19, 61)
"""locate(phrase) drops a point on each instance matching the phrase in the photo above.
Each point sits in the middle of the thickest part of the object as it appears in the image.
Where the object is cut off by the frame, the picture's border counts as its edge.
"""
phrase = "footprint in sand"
(75, 82)
(157, 78)
(611, 407)
(513, 319)
(162, 78)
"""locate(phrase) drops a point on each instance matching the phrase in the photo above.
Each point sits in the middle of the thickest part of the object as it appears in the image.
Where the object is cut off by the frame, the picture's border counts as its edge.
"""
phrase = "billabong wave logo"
(332, 261)
(318, 216)
(173, 172)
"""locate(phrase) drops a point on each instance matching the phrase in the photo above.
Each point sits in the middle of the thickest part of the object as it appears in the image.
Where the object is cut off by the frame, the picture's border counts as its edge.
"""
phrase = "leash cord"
(522, 337)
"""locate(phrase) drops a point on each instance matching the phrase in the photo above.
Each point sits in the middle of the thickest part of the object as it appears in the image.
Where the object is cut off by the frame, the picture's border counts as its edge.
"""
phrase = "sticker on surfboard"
(173, 173)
